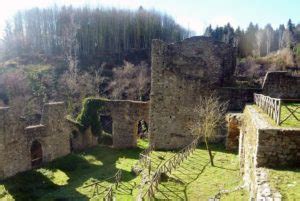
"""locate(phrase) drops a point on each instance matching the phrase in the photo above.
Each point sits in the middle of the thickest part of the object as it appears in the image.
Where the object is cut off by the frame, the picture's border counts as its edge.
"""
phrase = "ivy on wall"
(89, 115)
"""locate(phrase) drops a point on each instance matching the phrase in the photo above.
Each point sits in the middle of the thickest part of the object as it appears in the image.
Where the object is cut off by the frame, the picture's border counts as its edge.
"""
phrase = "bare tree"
(75, 88)
(21, 100)
(210, 115)
(130, 82)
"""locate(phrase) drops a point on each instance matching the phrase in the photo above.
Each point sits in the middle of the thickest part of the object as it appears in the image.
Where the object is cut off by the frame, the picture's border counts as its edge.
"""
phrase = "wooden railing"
(272, 106)
(108, 196)
(144, 159)
(167, 167)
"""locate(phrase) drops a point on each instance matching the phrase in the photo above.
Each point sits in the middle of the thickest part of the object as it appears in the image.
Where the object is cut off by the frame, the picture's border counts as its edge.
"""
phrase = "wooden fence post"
(279, 113)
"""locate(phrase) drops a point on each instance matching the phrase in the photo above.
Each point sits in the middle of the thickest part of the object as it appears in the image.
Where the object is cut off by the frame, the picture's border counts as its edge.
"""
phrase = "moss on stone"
(89, 115)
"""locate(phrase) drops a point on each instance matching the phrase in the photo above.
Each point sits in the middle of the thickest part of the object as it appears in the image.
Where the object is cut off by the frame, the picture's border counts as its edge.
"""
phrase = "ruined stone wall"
(181, 72)
(126, 116)
(248, 149)
(234, 121)
(16, 139)
(58, 140)
(279, 147)
(237, 97)
(14, 155)
(264, 145)
(280, 84)
(81, 140)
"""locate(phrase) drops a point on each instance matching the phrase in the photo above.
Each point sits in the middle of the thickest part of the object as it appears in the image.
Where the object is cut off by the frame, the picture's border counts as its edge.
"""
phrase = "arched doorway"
(36, 153)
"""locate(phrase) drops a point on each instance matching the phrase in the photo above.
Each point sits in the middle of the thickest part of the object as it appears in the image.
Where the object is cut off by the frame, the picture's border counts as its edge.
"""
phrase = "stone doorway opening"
(106, 130)
(36, 152)
(106, 123)
(142, 129)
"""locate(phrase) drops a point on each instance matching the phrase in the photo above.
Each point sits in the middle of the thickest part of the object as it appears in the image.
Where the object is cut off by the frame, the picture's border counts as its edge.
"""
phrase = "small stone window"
(36, 154)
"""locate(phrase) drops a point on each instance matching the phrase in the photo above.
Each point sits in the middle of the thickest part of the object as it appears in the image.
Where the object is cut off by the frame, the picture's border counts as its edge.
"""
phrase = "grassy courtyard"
(286, 181)
(291, 121)
(196, 179)
(66, 178)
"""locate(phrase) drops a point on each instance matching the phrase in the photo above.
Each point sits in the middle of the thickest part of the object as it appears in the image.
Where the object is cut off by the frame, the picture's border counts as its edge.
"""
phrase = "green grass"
(65, 178)
(287, 182)
(291, 121)
(196, 179)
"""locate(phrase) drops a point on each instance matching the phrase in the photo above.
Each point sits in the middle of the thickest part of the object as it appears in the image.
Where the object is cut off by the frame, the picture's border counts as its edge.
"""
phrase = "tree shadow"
(33, 185)
(188, 174)
(191, 170)
(217, 147)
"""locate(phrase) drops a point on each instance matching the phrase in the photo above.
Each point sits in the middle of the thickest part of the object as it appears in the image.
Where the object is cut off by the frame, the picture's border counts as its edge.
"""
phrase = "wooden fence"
(144, 159)
(167, 167)
(273, 107)
(108, 191)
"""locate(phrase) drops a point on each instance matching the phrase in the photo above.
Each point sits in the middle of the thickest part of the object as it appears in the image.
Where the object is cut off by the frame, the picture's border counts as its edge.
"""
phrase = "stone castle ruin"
(181, 73)
(125, 116)
(23, 148)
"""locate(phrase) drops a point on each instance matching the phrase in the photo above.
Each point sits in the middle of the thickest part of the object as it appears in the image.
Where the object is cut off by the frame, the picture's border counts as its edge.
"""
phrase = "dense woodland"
(88, 33)
(256, 41)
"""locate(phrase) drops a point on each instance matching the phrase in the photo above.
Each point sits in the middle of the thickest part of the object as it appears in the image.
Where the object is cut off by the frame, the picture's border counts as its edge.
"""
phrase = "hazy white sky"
(193, 14)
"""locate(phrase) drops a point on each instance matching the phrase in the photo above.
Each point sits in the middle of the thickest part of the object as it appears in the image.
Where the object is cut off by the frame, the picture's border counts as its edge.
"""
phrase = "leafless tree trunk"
(210, 115)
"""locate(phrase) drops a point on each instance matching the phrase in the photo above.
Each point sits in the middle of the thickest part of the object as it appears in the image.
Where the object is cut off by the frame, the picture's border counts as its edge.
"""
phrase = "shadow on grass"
(33, 185)
(193, 169)
(295, 169)
(217, 147)
(189, 174)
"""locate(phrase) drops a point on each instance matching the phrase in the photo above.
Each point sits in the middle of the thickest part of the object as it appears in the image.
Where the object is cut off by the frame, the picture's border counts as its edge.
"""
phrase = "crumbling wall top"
(281, 84)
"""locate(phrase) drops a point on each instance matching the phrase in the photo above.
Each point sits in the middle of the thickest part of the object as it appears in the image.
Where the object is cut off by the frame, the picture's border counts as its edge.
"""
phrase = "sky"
(193, 14)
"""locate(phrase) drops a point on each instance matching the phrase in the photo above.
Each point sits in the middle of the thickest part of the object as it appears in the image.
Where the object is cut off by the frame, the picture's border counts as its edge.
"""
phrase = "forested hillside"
(88, 33)
(66, 54)
(261, 49)
(257, 41)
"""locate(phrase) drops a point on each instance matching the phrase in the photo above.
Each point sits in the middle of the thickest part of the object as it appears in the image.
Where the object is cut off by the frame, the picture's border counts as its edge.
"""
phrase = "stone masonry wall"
(234, 121)
(125, 116)
(181, 72)
(14, 155)
(81, 140)
(278, 147)
(248, 149)
(280, 84)
(237, 97)
(16, 139)
(264, 145)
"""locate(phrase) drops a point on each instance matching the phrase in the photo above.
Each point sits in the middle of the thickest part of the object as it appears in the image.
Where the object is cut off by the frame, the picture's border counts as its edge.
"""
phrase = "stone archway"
(36, 153)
